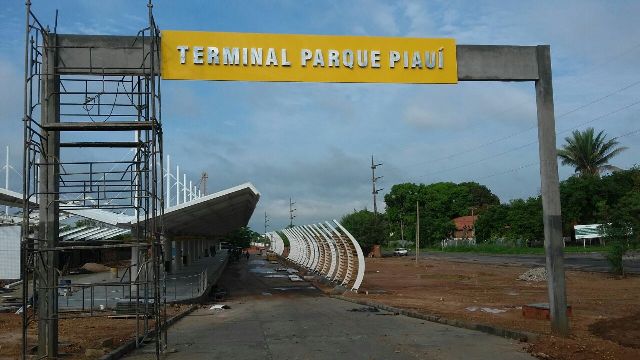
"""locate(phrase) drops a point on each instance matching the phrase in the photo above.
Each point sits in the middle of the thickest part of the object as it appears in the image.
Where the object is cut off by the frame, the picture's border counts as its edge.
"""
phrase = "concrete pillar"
(550, 189)
(194, 246)
(177, 261)
(48, 187)
(167, 252)
(186, 253)
(133, 271)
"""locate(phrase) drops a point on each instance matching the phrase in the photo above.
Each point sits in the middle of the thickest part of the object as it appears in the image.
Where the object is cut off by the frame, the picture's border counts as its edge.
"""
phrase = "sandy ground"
(76, 335)
(461, 290)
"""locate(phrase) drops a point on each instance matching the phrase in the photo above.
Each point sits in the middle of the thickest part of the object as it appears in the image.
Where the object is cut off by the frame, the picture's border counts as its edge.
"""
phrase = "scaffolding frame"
(62, 99)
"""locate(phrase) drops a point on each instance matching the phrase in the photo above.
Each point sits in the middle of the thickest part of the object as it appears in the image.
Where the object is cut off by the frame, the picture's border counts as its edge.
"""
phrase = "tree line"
(586, 198)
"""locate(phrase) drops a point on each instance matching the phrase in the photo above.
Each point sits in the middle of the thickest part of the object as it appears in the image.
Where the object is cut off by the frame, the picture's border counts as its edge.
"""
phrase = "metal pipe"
(177, 185)
(167, 201)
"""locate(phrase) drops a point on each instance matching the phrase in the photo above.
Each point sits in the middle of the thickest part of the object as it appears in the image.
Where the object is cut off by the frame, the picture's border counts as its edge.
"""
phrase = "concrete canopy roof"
(11, 198)
(208, 216)
(213, 215)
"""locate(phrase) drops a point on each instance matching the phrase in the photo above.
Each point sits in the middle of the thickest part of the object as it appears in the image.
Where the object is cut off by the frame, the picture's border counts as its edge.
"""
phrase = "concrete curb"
(130, 345)
(489, 329)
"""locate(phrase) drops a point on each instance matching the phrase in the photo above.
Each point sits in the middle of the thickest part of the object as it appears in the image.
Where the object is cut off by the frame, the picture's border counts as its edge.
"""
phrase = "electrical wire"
(493, 156)
(494, 141)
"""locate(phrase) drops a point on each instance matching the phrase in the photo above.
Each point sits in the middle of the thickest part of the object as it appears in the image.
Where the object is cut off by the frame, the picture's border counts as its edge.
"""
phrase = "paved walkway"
(273, 318)
(186, 284)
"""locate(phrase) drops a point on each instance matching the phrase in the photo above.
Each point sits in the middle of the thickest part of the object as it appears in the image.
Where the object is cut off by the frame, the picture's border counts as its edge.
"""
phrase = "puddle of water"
(294, 288)
(262, 270)
(276, 276)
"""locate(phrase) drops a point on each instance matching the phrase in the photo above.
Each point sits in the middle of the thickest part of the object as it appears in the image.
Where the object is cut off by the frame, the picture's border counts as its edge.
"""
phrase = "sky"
(313, 142)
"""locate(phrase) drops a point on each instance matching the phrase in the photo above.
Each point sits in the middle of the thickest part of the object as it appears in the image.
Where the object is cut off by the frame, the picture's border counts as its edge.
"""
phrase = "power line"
(633, 132)
(533, 142)
(593, 68)
(494, 141)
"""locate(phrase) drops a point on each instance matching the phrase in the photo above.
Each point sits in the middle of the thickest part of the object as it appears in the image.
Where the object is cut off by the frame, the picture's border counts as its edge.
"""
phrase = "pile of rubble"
(535, 274)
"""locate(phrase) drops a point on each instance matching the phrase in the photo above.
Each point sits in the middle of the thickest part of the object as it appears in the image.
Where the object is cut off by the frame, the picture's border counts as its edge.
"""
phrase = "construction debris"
(536, 274)
(95, 268)
(365, 309)
(295, 278)
(485, 309)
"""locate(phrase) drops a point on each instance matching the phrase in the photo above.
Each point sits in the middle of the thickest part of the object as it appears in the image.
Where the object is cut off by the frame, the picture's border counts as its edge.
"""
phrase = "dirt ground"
(76, 335)
(605, 323)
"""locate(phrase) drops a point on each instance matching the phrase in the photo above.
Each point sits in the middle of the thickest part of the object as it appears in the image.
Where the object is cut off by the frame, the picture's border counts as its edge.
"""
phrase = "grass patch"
(500, 249)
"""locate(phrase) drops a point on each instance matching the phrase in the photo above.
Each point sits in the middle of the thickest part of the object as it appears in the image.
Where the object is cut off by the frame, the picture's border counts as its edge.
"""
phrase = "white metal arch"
(308, 248)
(360, 275)
(330, 256)
(344, 272)
(338, 260)
(327, 249)
(315, 266)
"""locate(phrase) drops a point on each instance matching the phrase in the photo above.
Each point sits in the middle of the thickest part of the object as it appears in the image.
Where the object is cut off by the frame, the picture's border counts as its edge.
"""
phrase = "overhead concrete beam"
(497, 63)
(104, 54)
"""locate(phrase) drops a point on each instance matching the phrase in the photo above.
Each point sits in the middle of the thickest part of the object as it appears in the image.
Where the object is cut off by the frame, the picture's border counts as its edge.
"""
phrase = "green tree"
(590, 199)
(242, 237)
(519, 222)
(284, 238)
(365, 228)
(622, 229)
(492, 223)
(582, 200)
(439, 204)
(588, 153)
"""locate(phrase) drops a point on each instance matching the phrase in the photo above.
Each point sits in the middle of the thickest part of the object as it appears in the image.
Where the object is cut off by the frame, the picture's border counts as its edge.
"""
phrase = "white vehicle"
(400, 252)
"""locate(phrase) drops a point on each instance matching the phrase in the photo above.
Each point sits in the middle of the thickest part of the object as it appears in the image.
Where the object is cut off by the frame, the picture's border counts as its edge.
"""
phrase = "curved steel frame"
(326, 249)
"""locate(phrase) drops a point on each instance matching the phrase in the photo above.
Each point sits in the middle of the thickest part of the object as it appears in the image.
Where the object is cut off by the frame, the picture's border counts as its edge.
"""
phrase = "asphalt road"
(586, 262)
(273, 318)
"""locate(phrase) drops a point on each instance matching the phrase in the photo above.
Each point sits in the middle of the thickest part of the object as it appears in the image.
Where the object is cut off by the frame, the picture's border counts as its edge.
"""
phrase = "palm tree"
(589, 154)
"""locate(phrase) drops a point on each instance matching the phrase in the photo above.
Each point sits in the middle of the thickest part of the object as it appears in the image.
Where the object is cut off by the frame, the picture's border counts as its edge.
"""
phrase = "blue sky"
(313, 142)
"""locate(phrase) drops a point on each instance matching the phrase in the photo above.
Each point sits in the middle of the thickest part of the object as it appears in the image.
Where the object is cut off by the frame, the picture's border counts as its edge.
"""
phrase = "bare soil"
(605, 322)
(76, 335)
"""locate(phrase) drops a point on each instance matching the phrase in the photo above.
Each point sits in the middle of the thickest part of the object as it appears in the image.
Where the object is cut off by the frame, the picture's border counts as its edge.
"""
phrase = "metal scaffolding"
(92, 139)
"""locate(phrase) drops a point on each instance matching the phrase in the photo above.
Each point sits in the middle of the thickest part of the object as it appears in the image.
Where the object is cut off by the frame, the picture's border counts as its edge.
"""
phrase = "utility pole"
(374, 190)
(417, 231)
(203, 183)
(6, 181)
(291, 210)
(266, 221)
(167, 201)
(178, 185)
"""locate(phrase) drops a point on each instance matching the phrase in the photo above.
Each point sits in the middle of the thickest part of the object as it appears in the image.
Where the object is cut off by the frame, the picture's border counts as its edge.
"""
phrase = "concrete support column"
(550, 189)
(167, 252)
(177, 261)
(196, 253)
(48, 187)
(133, 271)
(186, 252)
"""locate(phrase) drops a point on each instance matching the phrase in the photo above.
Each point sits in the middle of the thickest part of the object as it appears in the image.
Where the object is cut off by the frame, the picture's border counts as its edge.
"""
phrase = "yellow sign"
(192, 55)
